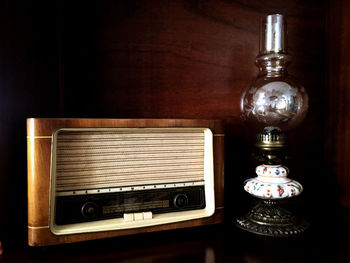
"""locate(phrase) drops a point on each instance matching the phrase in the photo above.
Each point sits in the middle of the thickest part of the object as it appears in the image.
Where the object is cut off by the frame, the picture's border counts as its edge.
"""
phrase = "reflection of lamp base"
(269, 219)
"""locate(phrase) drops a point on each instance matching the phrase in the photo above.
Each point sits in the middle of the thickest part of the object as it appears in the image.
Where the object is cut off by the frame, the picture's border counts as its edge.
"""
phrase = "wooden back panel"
(39, 135)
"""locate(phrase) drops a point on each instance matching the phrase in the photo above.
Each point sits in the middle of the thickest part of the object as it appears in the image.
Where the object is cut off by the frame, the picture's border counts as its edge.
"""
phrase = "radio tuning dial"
(180, 200)
(89, 210)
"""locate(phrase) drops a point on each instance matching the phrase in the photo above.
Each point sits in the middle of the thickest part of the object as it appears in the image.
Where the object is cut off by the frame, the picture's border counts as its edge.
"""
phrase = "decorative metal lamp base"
(269, 219)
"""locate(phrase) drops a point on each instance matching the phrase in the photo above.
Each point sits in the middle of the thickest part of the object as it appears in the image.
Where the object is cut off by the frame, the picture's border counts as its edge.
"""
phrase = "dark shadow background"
(154, 59)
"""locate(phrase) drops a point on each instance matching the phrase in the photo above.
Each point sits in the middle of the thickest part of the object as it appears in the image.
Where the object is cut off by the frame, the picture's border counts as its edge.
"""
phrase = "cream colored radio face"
(120, 178)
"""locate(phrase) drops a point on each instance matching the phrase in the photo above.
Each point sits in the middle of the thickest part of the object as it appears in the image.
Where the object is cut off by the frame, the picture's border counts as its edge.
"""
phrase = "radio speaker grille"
(118, 157)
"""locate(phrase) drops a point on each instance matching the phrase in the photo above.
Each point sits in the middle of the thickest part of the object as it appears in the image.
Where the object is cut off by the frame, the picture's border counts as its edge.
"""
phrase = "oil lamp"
(274, 104)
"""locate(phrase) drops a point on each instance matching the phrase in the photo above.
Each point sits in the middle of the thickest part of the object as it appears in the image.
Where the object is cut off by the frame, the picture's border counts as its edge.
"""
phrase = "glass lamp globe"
(280, 103)
(275, 98)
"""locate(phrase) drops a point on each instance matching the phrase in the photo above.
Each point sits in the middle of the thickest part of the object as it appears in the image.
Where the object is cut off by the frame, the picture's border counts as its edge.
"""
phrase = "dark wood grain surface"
(170, 59)
(338, 111)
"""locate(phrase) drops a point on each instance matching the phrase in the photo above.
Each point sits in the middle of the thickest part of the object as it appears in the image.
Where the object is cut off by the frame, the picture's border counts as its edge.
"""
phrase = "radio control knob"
(89, 210)
(180, 201)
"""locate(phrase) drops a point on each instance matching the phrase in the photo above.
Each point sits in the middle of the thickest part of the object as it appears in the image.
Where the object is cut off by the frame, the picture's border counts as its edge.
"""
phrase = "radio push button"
(128, 217)
(147, 215)
(138, 216)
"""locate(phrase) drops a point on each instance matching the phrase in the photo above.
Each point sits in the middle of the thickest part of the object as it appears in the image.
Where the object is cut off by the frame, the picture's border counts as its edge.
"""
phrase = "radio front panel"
(99, 174)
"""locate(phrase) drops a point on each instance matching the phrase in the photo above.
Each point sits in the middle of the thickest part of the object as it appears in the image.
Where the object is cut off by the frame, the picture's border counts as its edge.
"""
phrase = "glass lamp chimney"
(273, 36)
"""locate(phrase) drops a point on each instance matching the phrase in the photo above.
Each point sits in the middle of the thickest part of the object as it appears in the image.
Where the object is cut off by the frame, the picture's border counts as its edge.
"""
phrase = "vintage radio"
(99, 178)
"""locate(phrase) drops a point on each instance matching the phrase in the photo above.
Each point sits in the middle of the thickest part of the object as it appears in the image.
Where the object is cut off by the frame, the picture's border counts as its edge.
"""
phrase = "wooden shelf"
(223, 243)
